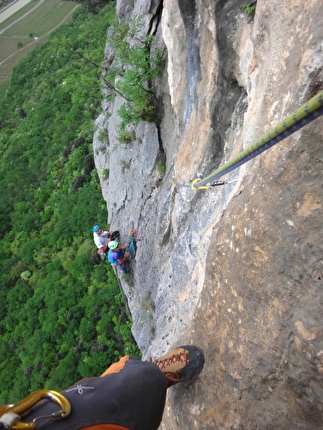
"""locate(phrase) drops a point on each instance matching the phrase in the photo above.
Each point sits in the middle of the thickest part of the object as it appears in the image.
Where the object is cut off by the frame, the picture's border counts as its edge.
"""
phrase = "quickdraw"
(10, 415)
(298, 119)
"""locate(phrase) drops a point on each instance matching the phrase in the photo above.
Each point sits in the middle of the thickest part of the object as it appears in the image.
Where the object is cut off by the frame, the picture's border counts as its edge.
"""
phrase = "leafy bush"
(137, 62)
(250, 8)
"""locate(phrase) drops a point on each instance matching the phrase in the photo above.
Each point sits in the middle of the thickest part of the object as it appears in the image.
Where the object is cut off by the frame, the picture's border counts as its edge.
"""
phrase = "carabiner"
(30, 401)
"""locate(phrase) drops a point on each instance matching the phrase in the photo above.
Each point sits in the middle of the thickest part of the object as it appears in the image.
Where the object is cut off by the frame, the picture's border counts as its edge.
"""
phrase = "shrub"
(88, 164)
(77, 183)
(161, 168)
(135, 66)
(250, 8)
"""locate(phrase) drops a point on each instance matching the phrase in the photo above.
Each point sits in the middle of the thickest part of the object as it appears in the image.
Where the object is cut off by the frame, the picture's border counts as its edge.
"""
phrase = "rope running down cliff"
(302, 116)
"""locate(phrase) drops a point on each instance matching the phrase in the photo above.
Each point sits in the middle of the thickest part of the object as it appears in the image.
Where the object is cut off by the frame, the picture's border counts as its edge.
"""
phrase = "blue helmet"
(96, 228)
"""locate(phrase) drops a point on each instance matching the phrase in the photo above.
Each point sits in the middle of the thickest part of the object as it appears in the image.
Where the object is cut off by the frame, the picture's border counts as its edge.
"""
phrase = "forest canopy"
(62, 315)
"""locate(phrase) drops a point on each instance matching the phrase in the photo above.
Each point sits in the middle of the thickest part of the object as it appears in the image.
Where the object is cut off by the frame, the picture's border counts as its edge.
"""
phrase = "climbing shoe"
(180, 364)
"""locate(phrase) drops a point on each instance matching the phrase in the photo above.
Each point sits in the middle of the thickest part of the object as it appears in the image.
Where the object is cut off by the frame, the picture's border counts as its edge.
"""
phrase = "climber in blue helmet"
(102, 238)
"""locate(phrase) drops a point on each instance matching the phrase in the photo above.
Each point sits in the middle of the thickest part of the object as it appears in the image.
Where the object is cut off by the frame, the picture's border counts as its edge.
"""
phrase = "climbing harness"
(10, 415)
(302, 116)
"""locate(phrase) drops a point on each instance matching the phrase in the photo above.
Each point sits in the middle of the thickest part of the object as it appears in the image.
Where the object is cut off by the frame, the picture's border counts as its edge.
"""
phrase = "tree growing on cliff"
(137, 62)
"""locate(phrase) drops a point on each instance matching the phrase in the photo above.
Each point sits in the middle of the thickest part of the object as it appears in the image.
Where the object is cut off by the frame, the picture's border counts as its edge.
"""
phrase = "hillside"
(234, 269)
(25, 25)
(62, 315)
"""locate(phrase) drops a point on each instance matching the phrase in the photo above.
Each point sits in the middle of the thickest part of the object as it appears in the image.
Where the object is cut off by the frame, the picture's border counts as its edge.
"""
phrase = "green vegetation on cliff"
(62, 317)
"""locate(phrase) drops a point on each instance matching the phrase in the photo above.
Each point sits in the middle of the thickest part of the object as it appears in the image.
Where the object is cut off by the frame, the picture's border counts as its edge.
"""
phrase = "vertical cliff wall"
(238, 269)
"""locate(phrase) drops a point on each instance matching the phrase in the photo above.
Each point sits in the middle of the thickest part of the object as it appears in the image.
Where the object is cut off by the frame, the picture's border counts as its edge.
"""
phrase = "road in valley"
(19, 4)
(13, 8)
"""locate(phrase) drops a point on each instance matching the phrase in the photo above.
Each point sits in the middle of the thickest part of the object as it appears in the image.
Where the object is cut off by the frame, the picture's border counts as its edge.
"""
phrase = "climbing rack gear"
(10, 415)
(302, 116)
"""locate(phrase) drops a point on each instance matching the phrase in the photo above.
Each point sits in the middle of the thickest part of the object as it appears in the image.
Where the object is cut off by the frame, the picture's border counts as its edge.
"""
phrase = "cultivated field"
(28, 27)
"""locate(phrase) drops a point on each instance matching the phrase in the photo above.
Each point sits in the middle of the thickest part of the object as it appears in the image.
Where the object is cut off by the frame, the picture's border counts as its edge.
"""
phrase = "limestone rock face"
(237, 269)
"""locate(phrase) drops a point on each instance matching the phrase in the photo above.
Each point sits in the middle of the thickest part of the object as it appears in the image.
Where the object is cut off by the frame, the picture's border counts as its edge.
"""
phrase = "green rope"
(302, 116)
